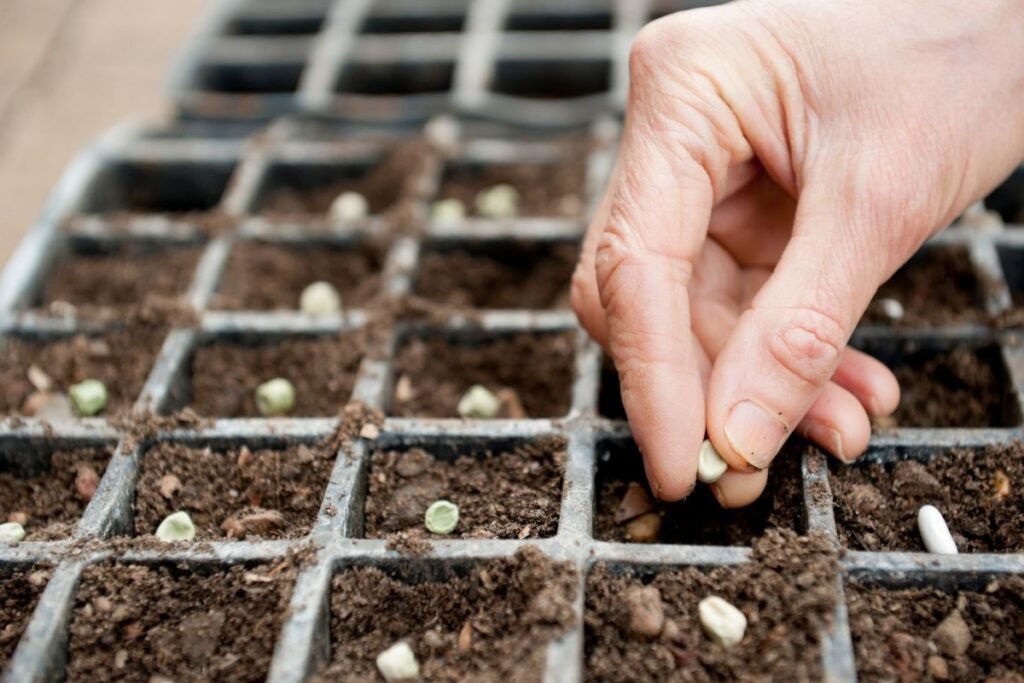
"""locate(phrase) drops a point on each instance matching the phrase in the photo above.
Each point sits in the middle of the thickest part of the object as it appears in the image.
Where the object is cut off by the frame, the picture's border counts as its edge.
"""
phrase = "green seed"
(11, 532)
(176, 527)
(88, 398)
(442, 517)
(276, 397)
(479, 402)
(320, 298)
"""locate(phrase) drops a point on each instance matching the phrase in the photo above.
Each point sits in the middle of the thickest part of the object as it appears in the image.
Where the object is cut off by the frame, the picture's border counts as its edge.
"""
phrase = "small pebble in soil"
(645, 613)
(442, 132)
(320, 298)
(934, 532)
(721, 621)
(275, 397)
(1001, 485)
(710, 466)
(18, 518)
(890, 308)
(952, 636)
(499, 201)
(88, 398)
(398, 663)
(441, 517)
(479, 403)
(47, 405)
(349, 207)
(11, 532)
(86, 482)
(176, 527)
(451, 211)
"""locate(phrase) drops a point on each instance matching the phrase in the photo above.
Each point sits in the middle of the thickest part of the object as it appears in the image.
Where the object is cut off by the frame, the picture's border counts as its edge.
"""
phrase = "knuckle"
(807, 344)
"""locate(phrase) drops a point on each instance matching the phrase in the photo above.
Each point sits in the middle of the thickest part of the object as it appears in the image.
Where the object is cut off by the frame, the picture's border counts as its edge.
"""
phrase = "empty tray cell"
(551, 79)
(233, 493)
(396, 78)
(980, 492)
(1008, 199)
(787, 595)
(498, 274)
(937, 287)
(250, 79)
(268, 276)
(531, 373)
(627, 512)
(485, 621)
(609, 398)
(661, 8)
(552, 189)
(502, 490)
(226, 372)
(160, 188)
(35, 373)
(959, 386)
(46, 489)
(275, 26)
(923, 633)
(416, 16)
(184, 623)
(1012, 260)
(536, 16)
(20, 587)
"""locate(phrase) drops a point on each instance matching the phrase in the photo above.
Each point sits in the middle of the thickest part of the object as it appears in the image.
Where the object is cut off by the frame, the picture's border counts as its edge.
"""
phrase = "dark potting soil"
(238, 493)
(20, 589)
(979, 492)
(700, 520)
(437, 372)
(491, 624)
(262, 276)
(513, 493)
(609, 398)
(52, 499)
(121, 360)
(544, 189)
(787, 593)
(180, 623)
(529, 275)
(896, 634)
(938, 287)
(225, 374)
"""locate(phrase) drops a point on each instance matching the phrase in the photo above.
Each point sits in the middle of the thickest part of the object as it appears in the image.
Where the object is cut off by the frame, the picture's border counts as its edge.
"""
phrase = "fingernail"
(827, 437)
(754, 433)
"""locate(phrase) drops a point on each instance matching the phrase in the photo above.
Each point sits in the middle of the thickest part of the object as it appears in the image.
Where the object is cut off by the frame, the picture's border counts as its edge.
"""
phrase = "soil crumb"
(20, 589)
(937, 287)
(544, 189)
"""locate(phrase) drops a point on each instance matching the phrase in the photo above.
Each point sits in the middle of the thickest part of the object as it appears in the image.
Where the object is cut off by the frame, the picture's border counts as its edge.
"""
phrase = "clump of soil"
(181, 623)
(49, 503)
(262, 276)
(926, 634)
(521, 275)
(544, 189)
(434, 373)
(979, 492)
(239, 493)
(609, 398)
(121, 360)
(698, 520)
(514, 493)
(787, 593)
(20, 589)
(492, 623)
(225, 374)
(938, 287)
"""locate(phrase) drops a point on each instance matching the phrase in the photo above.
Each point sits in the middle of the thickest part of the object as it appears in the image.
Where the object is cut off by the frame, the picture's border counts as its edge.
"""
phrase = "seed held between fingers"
(710, 465)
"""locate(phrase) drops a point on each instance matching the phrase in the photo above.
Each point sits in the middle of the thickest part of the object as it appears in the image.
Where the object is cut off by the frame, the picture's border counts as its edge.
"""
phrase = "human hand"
(780, 160)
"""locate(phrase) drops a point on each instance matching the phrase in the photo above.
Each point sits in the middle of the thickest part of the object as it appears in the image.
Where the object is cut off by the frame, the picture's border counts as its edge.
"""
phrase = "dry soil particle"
(491, 624)
(434, 373)
(513, 493)
(554, 190)
(520, 275)
(183, 623)
(979, 492)
(239, 493)
(700, 520)
(225, 374)
(20, 591)
(261, 276)
(787, 593)
(897, 634)
(938, 287)
(50, 501)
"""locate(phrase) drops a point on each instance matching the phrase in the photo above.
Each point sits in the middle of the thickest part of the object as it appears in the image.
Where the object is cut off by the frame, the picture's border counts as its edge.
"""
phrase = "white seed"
(349, 207)
(723, 623)
(891, 308)
(448, 211)
(176, 527)
(88, 398)
(11, 532)
(320, 298)
(443, 133)
(479, 402)
(500, 201)
(276, 397)
(710, 466)
(441, 517)
(934, 531)
(398, 663)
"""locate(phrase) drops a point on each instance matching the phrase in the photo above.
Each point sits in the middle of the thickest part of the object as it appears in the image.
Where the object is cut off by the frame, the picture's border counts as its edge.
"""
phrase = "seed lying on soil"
(47, 405)
(934, 532)
(88, 398)
(645, 613)
(953, 636)
(11, 532)
(722, 622)
(86, 482)
(349, 207)
(1001, 484)
(443, 133)
(398, 663)
(260, 522)
(176, 527)
(479, 402)
(18, 518)
(38, 378)
(441, 517)
(890, 308)
(635, 502)
(320, 298)
(710, 466)
(499, 201)
(276, 397)
(645, 528)
(169, 486)
(448, 211)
